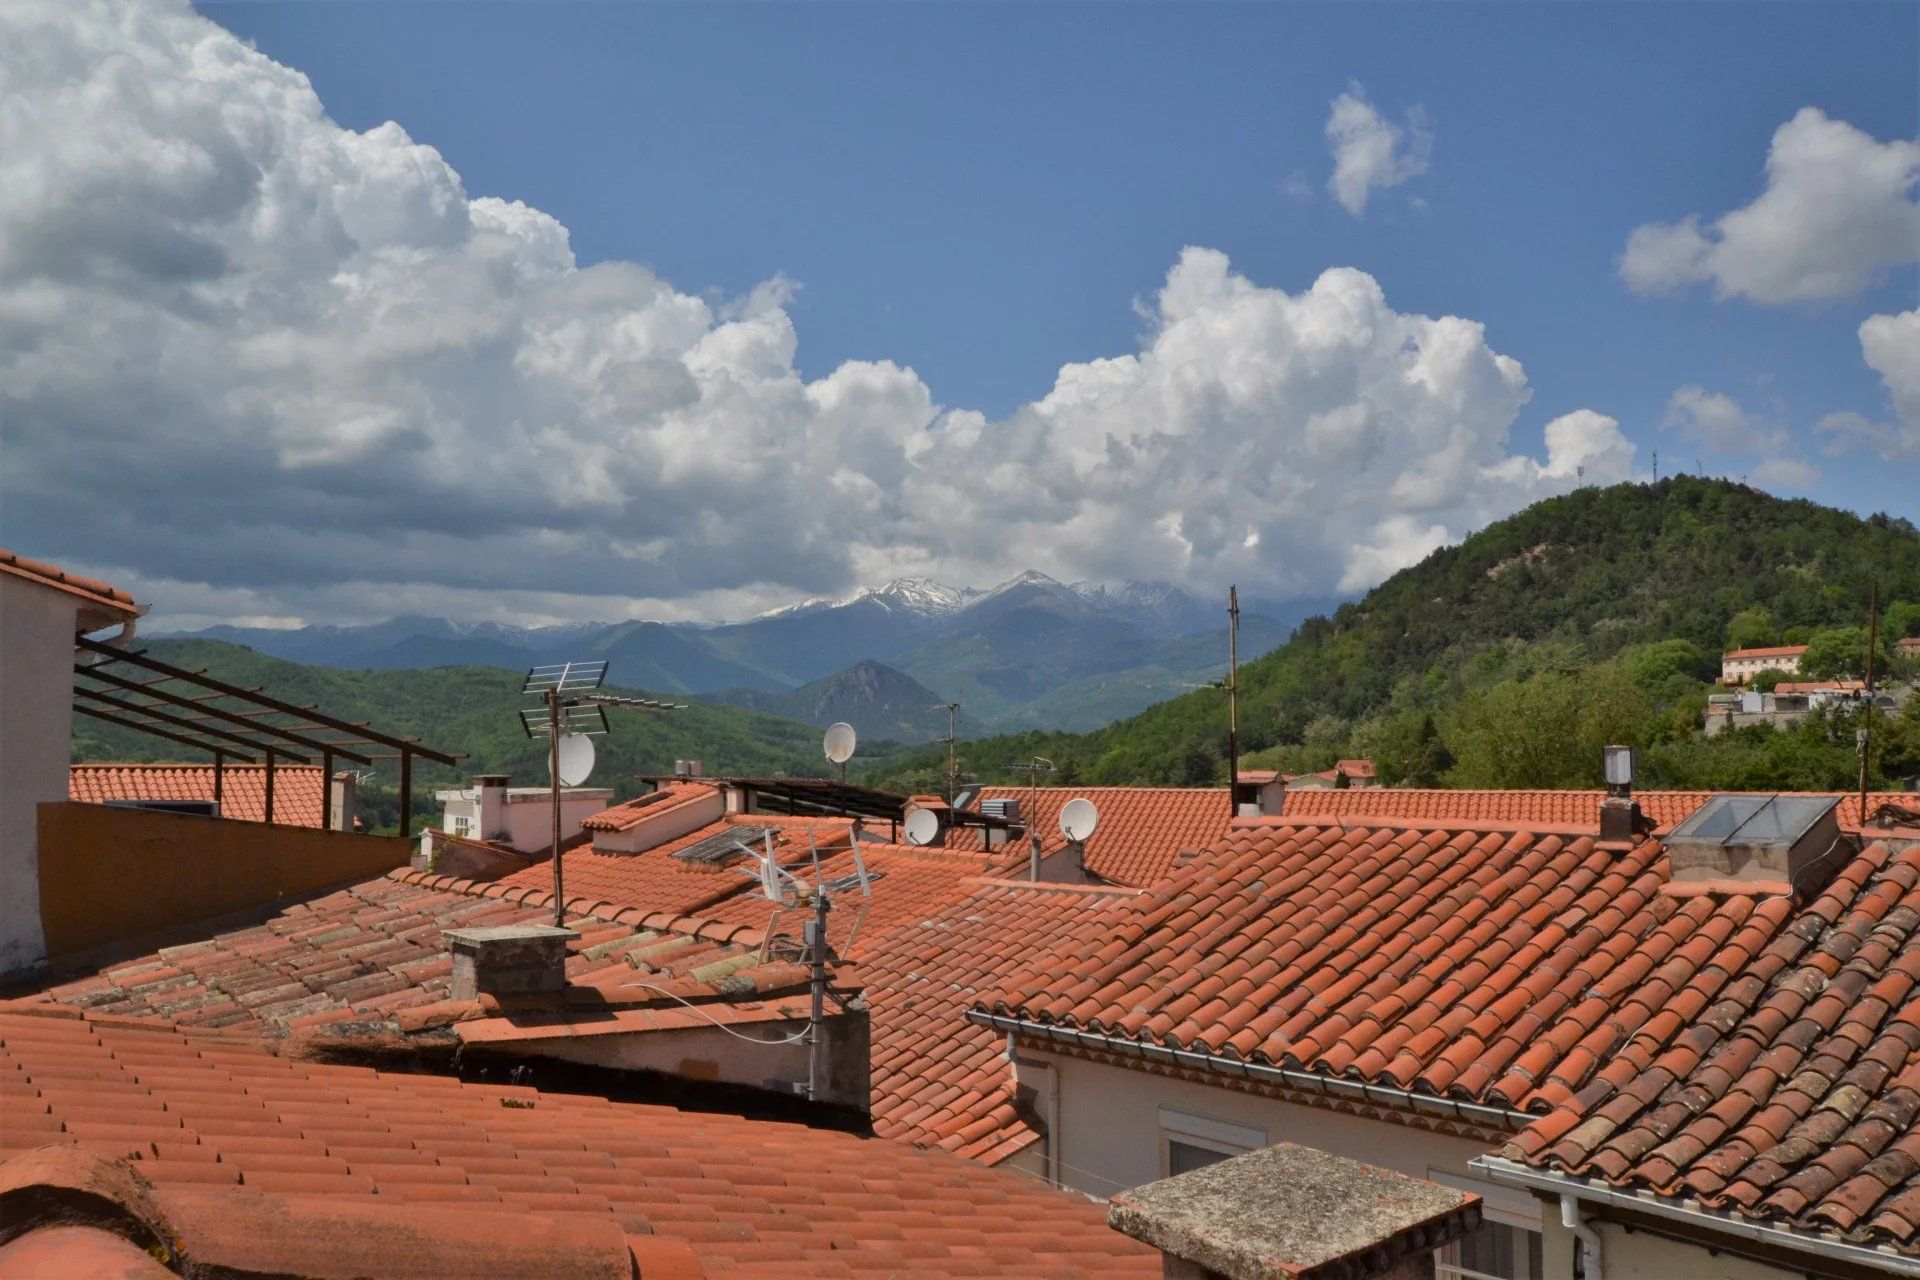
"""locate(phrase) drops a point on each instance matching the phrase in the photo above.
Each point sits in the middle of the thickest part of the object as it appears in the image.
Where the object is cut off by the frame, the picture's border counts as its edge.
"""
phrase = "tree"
(1750, 628)
(1767, 679)
(1409, 751)
(1842, 651)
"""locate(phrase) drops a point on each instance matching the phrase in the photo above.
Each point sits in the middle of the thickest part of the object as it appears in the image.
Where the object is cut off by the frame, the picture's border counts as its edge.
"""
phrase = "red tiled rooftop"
(373, 957)
(1500, 967)
(92, 591)
(299, 790)
(1786, 1084)
(939, 1080)
(1766, 651)
(654, 880)
(630, 813)
(1560, 810)
(1142, 829)
(749, 1197)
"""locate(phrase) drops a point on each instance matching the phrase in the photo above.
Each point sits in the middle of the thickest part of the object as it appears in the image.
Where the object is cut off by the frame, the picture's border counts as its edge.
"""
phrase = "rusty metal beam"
(145, 660)
(204, 710)
(119, 704)
(182, 739)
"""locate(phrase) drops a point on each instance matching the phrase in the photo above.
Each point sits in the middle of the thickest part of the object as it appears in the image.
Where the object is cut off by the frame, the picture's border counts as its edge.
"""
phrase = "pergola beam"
(156, 731)
(134, 708)
(205, 710)
(140, 658)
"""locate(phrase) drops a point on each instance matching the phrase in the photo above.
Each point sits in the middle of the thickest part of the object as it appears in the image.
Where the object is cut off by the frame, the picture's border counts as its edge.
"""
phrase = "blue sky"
(804, 296)
(981, 191)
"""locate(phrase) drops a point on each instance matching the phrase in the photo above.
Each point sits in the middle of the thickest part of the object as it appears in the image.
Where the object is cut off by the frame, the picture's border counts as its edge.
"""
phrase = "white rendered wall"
(36, 741)
(1641, 1255)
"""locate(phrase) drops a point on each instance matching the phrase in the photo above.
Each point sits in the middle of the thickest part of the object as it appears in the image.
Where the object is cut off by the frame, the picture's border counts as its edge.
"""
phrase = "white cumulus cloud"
(271, 364)
(1891, 346)
(1370, 152)
(1838, 210)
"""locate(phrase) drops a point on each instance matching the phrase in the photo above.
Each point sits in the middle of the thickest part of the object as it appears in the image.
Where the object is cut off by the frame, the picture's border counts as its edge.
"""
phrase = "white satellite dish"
(1078, 818)
(839, 742)
(576, 758)
(922, 826)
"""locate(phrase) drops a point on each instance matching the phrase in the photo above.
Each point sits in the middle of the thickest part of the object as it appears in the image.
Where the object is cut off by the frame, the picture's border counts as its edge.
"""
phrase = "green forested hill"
(1508, 660)
(473, 710)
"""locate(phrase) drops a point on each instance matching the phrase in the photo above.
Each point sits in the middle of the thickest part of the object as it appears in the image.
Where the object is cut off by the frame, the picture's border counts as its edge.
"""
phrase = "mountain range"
(1029, 653)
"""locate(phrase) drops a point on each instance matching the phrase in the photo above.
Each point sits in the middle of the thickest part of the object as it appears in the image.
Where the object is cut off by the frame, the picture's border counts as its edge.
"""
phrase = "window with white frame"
(1189, 1142)
(1506, 1245)
(462, 825)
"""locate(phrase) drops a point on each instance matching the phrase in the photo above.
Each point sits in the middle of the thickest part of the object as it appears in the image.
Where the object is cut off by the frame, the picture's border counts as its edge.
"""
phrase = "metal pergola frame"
(233, 723)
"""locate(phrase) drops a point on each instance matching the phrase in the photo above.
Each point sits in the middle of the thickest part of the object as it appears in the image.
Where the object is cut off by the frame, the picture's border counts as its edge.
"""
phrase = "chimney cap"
(490, 780)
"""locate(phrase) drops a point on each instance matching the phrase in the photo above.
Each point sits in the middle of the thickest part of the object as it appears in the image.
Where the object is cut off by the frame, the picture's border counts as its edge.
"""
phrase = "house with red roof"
(1737, 666)
(1701, 1045)
(42, 609)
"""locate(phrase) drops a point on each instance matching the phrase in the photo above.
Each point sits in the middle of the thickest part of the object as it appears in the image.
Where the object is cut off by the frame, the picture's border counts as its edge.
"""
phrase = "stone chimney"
(1620, 822)
(342, 794)
(508, 960)
(490, 790)
(1289, 1212)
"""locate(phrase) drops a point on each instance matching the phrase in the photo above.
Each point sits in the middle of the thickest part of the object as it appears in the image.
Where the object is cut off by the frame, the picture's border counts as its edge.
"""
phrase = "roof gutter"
(1702, 1220)
(1288, 1077)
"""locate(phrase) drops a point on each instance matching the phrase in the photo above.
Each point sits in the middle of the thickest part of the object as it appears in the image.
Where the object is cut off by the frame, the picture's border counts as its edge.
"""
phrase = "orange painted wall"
(110, 875)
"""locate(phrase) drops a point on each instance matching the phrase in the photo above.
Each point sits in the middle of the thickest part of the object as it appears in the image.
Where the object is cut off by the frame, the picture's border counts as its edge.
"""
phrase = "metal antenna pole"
(1866, 725)
(817, 945)
(1233, 700)
(953, 761)
(553, 767)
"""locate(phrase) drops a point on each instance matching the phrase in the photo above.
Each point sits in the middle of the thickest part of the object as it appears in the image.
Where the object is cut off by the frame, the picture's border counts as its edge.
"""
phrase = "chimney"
(342, 791)
(508, 960)
(1007, 809)
(1620, 820)
(686, 768)
(490, 789)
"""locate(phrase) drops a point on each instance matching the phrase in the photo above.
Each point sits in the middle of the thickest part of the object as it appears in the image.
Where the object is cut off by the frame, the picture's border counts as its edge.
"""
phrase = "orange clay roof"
(1502, 967)
(1769, 651)
(90, 590)
(656, 881)
(1783, 1082)
(1560, 810)
(373, 958)
(1142, 829)
(631, 813)
(299, 790)
(1820, 686)
(938, 1080)
(749, 1197)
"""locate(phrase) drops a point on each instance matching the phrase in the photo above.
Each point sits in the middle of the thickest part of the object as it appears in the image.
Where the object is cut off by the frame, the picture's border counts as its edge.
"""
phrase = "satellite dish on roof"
(575, 758)
(839, 742)
(1078, 818)
(922, 826)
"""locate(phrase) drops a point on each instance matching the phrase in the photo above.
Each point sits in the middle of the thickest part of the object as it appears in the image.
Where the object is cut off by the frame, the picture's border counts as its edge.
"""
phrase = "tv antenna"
(953, 733)
(1233, 699)
(839, 742)
(1033, 769)
(785, 891)
(571, 712)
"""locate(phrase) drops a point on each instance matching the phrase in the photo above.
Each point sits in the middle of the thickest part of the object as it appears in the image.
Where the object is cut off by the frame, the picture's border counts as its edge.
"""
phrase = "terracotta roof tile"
(299, 790)
(373, 958)
(1766, 651)
(630, 813)
(939, 1080)
(744, 1196)
(1562, 810)
(1789, 1095)
(91, 590)
(1142, 829)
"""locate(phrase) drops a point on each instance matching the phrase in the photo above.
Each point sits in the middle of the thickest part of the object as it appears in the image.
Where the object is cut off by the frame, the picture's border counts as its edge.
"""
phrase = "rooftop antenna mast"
(571, 712)
(1233, 699)
(1866, 723)
(953, 760)
(1034, 768)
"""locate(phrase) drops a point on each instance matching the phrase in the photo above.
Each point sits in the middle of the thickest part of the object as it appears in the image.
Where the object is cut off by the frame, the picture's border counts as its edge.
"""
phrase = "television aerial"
(574, 759)
(1078, 818)
(922, 826)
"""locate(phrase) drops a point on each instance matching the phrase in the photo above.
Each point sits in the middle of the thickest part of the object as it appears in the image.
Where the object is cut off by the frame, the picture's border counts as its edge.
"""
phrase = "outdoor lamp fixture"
(1619, 770)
